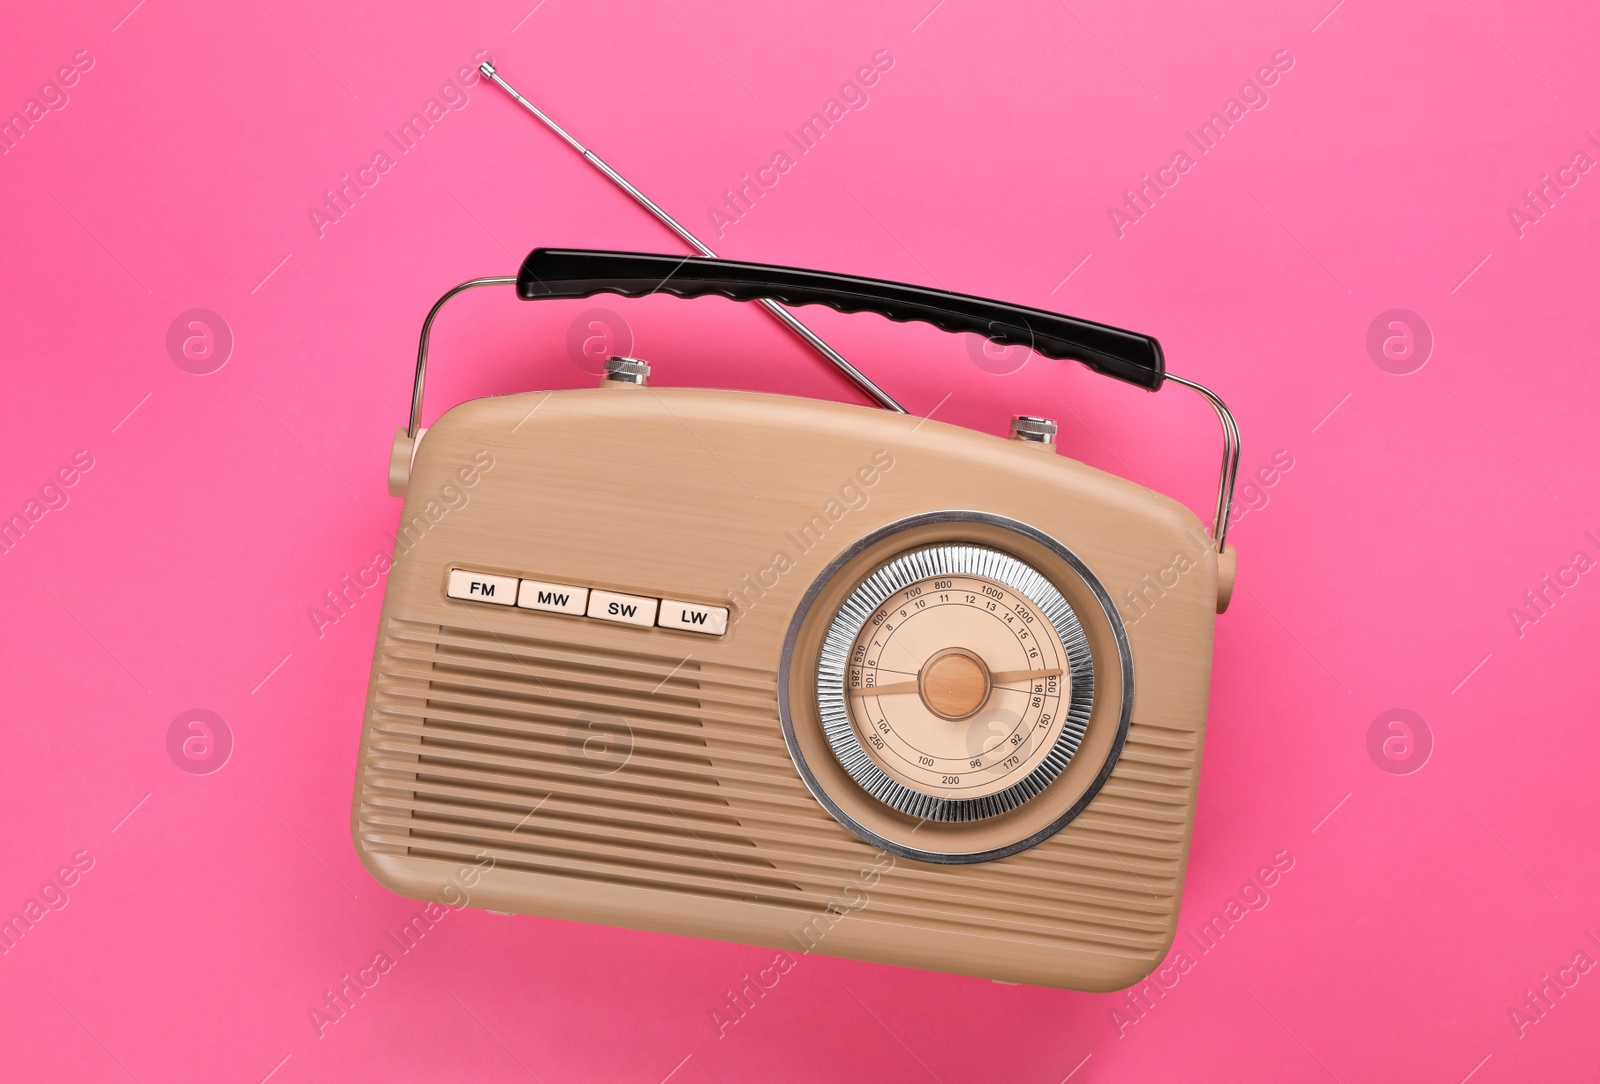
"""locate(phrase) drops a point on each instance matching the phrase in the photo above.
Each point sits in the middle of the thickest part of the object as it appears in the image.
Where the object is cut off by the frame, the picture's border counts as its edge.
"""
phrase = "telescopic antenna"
(783, 315)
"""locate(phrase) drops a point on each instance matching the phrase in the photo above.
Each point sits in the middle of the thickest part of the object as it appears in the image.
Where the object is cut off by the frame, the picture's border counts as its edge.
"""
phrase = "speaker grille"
(672, 775)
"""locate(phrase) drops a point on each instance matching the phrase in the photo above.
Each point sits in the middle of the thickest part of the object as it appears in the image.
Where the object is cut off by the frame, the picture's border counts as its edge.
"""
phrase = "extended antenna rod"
(783, 315)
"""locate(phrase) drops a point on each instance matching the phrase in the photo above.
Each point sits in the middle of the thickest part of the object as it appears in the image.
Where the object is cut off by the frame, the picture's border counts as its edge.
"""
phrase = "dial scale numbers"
(1003, 738)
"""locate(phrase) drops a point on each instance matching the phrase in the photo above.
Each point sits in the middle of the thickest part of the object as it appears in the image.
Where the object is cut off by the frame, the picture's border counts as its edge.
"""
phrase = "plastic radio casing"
(597, 688)
(639, 776)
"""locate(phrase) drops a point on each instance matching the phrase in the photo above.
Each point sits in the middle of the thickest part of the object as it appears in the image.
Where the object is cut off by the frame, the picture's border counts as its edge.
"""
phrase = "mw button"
(554, 597)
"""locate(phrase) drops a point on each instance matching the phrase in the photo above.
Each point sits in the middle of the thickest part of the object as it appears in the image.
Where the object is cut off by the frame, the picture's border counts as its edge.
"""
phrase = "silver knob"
(1037, 430)
(628, 370)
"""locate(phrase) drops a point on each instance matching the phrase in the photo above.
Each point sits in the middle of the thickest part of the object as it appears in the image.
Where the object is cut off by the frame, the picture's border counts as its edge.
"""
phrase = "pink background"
(1377, 573)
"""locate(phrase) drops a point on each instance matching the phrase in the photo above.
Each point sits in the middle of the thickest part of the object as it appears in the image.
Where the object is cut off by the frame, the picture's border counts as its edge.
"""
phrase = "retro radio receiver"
(794, 673)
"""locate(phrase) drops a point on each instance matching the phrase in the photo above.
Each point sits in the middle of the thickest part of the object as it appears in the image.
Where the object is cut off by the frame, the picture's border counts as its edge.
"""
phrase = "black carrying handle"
(573, 273)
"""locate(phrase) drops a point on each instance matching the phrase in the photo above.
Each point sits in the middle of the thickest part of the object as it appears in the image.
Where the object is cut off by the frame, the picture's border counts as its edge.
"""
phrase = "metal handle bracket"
(1230, 429)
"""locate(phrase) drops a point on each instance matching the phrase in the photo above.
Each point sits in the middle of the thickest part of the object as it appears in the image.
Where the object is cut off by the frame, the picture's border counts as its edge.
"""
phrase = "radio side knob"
(1040, 431)
(627, 371)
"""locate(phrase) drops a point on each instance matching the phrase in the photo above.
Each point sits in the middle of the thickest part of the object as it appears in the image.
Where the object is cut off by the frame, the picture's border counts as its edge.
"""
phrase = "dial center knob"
(954, 684)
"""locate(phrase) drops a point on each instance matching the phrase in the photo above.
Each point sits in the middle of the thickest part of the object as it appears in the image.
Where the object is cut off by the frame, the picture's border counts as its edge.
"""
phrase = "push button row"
(581, 601)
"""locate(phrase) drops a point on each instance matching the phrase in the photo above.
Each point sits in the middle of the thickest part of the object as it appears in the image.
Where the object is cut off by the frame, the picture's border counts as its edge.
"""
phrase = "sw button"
(480, 587)
(711, 620)
(629, 609)
(555, 597)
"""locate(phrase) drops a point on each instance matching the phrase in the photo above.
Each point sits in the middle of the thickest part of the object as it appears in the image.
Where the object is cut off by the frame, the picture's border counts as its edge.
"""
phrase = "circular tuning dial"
(955, 683)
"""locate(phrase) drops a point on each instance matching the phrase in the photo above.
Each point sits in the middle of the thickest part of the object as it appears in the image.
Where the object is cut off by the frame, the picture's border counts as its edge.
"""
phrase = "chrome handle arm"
(1230, 457)
(422, 347)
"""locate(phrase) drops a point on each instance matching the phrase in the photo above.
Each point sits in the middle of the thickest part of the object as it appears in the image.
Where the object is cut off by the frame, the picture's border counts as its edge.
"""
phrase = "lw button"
(711, 620)
(629, 609)
(478, 587)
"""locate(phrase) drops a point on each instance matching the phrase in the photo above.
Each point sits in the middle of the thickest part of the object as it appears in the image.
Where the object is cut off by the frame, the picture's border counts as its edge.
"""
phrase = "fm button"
(482, 587)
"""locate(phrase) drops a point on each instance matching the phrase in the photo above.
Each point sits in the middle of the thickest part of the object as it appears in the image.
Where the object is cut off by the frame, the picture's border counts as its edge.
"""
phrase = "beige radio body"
(637, 775)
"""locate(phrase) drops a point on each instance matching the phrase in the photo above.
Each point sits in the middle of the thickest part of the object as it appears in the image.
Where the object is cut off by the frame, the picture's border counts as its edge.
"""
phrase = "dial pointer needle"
(998, 677)
(1004, 677)
(885, 690)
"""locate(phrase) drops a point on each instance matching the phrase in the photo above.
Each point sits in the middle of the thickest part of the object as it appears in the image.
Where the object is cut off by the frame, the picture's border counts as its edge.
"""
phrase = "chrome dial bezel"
(926, 562)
